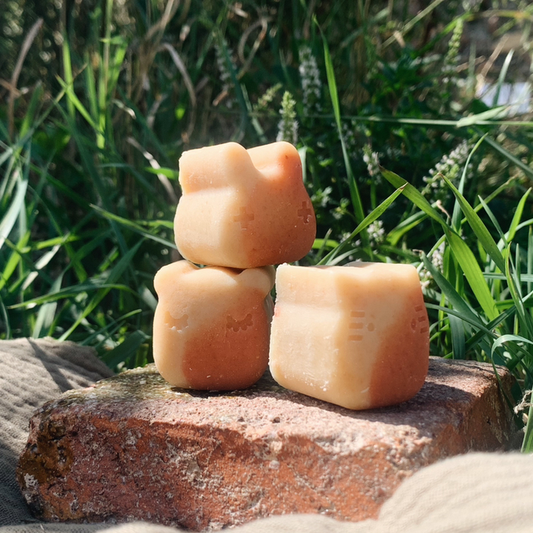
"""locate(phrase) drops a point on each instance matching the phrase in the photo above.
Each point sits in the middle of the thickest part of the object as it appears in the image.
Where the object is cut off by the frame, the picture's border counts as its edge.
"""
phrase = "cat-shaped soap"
(243, 208)
(212, 325)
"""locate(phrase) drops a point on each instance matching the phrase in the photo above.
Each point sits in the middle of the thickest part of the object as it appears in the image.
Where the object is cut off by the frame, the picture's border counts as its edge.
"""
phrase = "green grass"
(88, 159)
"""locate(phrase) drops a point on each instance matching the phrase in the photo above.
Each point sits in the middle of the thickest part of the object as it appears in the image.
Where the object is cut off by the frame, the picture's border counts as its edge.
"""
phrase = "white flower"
(371, 160)
(376, 234)
(288, 125)
(451, 165)
(310, 76)
(437, 259)
(449, 68)
(223, 63)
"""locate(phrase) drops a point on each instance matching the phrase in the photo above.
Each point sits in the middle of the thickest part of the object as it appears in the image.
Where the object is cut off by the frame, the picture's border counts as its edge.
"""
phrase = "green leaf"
(134, 226)
(14, 260)
(404, 227)
(30, 114)
(5, 317)
(501, 77)
(125, 350)
(71, 97)
(458, 337)
(484, 332)
(17, 205)
(473, 273)
(180, 112)
(69, 292)
(493, 219)
(461, 186)
(413, 194)
(376, 213)
(481, 117)
(453, 297)
(111, 279)
(332, 85)
(47, 312)
(510, 157)
(168, 172)
(67, 72)
(324, 243)
(517, 216)
(481, 231)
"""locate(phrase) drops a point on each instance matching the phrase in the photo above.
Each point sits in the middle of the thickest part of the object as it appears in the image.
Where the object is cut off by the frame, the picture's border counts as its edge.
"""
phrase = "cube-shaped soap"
(243, 208)
(354, 335)
(212, 325)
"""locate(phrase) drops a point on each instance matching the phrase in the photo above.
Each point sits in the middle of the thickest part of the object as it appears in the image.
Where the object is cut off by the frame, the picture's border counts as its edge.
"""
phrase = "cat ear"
(214, 167)
(277, 161)
(170, 273)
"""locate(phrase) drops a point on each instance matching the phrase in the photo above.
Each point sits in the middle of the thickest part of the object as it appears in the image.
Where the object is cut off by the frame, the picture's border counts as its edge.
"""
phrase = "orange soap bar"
(212, 325)
(354, 335)
(243, 208)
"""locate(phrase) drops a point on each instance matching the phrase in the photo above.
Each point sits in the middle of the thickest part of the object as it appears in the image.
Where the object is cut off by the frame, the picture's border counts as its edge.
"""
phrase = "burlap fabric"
(474, 493)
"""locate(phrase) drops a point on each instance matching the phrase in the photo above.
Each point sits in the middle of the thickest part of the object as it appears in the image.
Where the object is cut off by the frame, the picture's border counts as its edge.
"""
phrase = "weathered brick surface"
(132, 447)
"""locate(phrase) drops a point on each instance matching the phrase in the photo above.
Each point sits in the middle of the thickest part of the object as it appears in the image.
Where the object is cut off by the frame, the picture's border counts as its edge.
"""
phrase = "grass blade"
(17, 205)
(413, 194)
(482, 117)
(404, 227)
(134, 226)
(461, 187)
(501, 77)
(453, 297)
(376, 213)
(458, 337)
(125, 350)
(111, 279)
(74, 101)
(473, 273)
(481, 231)
(510, 157)
(527, 443)
(69, 292)
(332, 85)
(517, 216)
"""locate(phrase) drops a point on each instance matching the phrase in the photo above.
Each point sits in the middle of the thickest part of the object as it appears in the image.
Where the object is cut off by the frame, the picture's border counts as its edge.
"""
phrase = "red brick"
(132, 447)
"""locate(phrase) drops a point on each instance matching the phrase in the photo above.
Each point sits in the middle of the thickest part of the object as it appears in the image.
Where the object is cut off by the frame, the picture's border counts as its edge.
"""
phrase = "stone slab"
(132, 447)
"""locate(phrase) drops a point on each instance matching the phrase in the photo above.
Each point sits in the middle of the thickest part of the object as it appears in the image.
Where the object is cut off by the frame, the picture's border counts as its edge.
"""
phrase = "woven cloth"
(31, 373)
(475, 493)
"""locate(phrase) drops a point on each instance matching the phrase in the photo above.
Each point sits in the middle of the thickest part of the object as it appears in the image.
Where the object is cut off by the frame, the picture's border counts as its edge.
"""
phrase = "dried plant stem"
(26, 45)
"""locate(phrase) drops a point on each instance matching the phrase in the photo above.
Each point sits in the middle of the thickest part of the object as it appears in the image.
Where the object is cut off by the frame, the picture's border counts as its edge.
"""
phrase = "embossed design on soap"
(421, 319)
(176, 324)
(237, 325)
(244, 218)
(356, 324)
(305, 212)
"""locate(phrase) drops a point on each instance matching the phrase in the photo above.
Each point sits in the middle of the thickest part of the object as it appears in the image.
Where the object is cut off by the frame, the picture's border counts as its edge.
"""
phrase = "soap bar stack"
(240, 212)
(355, 335)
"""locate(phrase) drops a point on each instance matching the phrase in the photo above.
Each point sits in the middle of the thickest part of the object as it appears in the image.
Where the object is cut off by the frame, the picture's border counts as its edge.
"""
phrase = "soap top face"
(243, 208)
(212, 325)
(354, 335)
